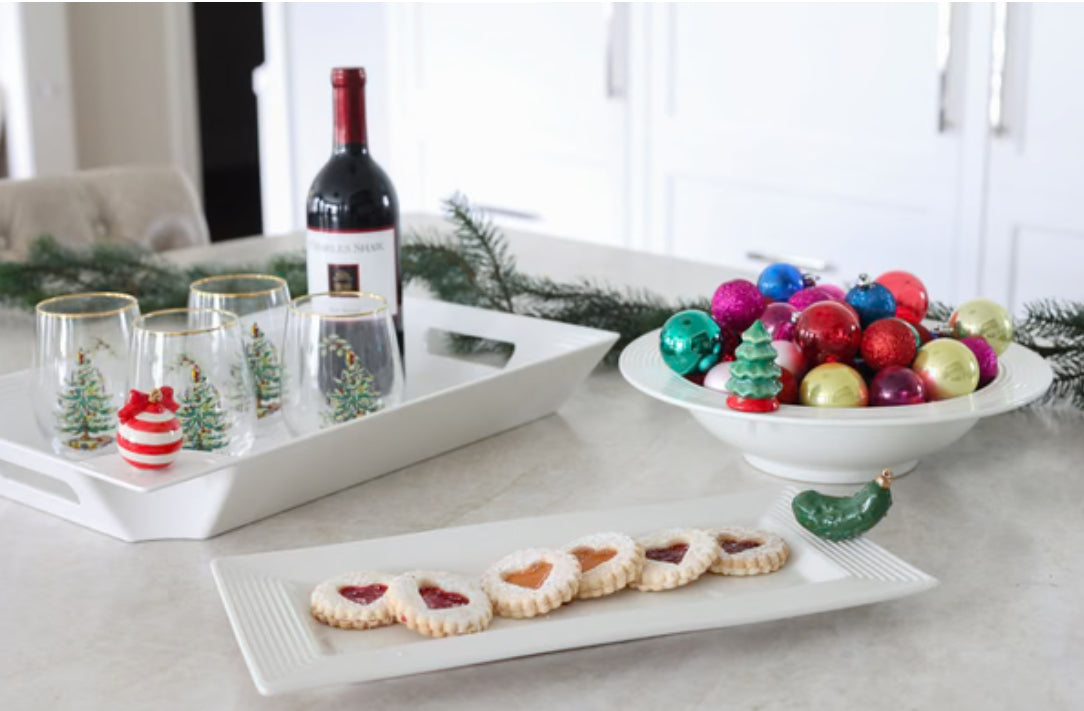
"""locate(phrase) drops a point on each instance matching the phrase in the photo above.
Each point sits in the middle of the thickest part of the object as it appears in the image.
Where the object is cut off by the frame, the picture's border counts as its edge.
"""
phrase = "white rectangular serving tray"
(266, 595)
(450, 401)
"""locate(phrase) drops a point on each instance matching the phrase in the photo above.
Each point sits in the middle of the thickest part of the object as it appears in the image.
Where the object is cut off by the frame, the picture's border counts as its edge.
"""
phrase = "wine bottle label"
(353, 261)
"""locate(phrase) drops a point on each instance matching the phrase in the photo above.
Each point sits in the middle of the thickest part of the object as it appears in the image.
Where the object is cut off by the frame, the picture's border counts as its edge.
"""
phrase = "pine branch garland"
(472, 265)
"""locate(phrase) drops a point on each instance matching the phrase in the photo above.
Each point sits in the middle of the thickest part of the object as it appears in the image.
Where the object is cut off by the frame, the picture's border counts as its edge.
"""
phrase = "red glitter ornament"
(889, 341)
(828, 332)
(910, 294)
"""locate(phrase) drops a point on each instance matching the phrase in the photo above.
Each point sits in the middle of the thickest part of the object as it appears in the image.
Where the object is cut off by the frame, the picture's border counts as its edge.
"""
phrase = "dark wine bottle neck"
(351, 135)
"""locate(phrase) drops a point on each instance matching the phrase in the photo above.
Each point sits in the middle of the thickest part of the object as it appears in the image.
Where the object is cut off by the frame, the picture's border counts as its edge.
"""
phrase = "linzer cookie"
(608, 561)
(354, 601)
(439, 604)
(746, 551)
(675, 557)
(532, 582)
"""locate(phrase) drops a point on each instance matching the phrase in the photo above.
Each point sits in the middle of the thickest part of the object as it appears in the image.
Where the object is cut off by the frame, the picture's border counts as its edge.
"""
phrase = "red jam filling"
(672, 554)
(738, 546)
(439, 599)
(363, 594)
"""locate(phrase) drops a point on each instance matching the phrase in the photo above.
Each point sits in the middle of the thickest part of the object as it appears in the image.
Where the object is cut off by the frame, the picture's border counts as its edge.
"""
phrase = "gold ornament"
(834, 385)
(948, 368)
(982, 317)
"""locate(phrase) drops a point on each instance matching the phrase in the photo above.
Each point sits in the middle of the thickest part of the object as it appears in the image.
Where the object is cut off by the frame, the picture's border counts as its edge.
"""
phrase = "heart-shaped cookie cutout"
(592, 557)
(671, 554)
(732, 546)
(439, 599)
(533, 576)
(363, 594)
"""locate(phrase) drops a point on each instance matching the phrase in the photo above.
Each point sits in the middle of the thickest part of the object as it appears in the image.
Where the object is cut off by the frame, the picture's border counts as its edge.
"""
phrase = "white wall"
(36, 89)
(295, 95)
(133, 74)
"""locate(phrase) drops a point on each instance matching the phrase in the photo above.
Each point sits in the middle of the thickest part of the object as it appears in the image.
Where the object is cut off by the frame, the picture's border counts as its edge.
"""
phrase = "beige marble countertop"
(88, 622)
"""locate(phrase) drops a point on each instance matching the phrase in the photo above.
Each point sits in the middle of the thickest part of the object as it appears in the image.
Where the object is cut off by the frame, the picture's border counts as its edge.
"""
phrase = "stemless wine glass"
(340, 358)
(198, 353)
(259, 300)
(79, 369)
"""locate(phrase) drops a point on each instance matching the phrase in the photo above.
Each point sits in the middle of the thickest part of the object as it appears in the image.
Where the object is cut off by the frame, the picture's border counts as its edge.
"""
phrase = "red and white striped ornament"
(150, 434)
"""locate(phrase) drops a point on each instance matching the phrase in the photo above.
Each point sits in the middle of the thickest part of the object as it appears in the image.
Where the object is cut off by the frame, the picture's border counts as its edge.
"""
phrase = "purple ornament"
(985, 355)
(808, 296)
(717, 377)
(834, 291)
(896, 385)
(778, 319)
(736, 305)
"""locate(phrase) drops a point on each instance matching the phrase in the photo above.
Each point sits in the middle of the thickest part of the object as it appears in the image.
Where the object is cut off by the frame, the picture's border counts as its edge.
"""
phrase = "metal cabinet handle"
(811, 264)
(617, 34)
(498, 211)
(999, 46)
(944, 62)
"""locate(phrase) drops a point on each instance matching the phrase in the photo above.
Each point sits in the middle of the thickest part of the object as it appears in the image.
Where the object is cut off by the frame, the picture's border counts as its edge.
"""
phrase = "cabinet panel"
(1046, 263)
(515, 106)
(849, 71)
(730, 221)
(1035, 202)
(816, 128)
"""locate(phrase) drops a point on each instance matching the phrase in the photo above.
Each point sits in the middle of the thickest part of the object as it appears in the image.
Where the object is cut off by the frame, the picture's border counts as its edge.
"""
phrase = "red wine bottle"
(353, 213)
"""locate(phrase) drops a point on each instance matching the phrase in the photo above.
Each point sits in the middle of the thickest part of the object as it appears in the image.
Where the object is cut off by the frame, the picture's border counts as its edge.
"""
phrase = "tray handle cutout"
(22, 484)
(473, 349)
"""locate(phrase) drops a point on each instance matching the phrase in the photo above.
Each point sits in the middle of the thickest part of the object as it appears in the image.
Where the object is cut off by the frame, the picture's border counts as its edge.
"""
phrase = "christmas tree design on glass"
(754, 376)
(263, 361)
(354, 394)
(86, 409)
(203, 420)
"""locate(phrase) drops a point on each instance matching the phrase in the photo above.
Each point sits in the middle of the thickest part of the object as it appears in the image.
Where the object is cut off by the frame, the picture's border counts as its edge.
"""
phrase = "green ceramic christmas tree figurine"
(754, 376)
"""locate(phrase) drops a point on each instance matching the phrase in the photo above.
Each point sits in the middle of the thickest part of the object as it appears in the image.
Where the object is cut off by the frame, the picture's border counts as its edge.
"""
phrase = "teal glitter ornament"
(689, 342)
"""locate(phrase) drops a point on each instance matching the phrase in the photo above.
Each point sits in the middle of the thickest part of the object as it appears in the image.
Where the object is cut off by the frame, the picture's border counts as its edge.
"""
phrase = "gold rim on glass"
(130, 302)
(229, 319)
(279, 282)
(293, 305)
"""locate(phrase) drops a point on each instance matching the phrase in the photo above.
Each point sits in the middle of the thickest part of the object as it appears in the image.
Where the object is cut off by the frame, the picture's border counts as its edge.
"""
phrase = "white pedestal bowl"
(837, 445)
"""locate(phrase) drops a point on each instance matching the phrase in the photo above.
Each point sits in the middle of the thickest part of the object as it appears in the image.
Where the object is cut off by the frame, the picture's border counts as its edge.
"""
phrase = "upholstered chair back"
(154, 207)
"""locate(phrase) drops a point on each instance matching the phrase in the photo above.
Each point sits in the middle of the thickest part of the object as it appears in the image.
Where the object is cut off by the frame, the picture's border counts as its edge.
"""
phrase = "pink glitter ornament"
(835, 291)
(736, 305)
(779, 319)
(809, 296)
(985, 355)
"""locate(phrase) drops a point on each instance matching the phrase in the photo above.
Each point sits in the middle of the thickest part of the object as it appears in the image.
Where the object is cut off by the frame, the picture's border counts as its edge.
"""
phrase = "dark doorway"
(229, 45)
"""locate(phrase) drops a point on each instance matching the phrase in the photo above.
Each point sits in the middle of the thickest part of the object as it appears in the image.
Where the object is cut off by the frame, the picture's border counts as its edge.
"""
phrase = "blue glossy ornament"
(780, 281)
(871, 300)
(689, 342)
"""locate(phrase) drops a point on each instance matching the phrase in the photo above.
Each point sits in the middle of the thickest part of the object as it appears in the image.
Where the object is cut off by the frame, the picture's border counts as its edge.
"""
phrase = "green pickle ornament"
(837, 518)
(689, 342)
(754, 376)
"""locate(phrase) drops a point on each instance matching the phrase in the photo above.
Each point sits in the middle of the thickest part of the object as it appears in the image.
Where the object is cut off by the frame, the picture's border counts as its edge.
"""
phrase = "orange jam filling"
(592, 558)
(533, 576)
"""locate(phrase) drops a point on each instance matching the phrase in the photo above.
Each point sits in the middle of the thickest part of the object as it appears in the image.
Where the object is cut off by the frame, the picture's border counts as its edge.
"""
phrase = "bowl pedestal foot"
(832, 475)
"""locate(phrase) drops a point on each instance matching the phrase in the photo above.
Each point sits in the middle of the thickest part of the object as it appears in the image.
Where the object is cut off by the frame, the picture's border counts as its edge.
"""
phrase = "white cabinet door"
(519, 107)
(1035, 204)
(819, 132)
